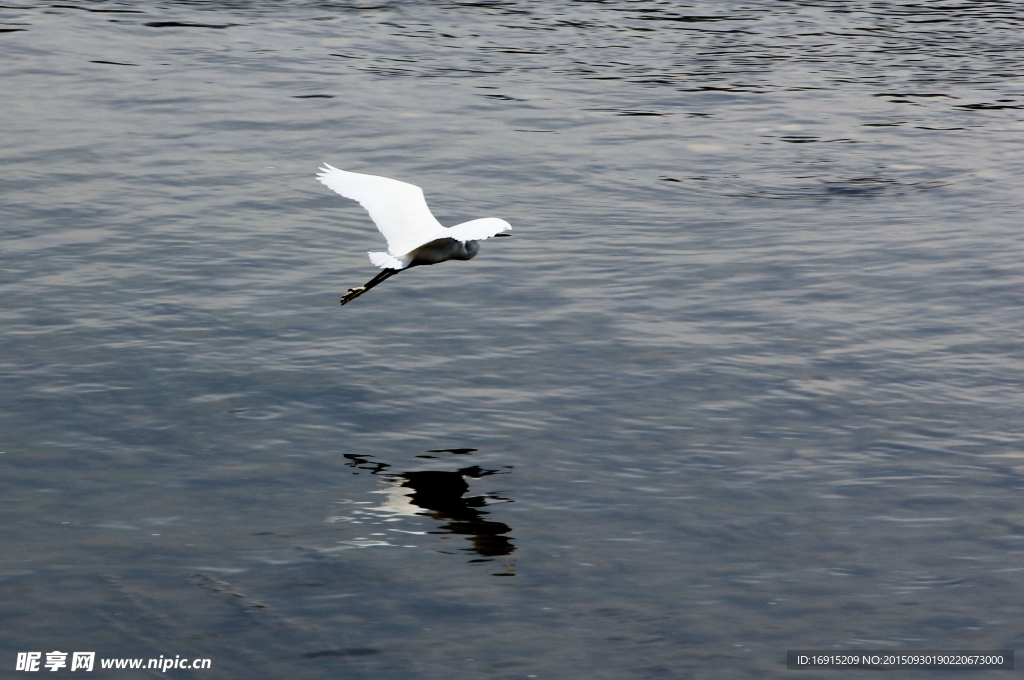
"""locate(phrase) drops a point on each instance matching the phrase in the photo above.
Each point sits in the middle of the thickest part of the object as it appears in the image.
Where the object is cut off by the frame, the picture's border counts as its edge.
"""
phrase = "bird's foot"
(352, 294)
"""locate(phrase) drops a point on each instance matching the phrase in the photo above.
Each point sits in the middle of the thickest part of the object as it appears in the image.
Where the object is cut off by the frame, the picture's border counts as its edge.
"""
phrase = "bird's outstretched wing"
(478, 230)
(398, 209)
(385, 260)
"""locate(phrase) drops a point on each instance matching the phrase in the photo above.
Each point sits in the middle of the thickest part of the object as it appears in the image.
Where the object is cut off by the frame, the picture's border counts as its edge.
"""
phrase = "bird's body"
(441, 250)
(401, 214)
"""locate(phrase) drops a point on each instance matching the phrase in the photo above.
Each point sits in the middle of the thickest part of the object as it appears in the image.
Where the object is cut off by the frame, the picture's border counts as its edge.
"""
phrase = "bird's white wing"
(385, 260)
(398, 209)
(478, 230)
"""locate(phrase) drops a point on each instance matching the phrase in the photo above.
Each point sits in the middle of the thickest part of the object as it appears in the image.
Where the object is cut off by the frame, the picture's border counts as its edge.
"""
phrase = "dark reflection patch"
(441, 495)
(355, 651)
(101, 11)
(183, 24)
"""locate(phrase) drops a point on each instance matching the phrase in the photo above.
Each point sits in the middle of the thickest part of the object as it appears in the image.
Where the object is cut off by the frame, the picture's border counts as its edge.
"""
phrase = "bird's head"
(472, 248)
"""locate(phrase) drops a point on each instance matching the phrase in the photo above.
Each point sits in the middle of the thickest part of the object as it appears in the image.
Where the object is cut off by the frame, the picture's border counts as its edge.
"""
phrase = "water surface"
(746, 378)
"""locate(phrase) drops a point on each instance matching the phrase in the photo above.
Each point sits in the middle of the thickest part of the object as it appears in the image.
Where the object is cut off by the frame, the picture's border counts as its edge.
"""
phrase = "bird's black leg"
(353, 293)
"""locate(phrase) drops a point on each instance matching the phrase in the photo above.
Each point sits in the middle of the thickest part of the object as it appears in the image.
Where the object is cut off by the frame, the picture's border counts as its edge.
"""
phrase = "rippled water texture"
(747, 377)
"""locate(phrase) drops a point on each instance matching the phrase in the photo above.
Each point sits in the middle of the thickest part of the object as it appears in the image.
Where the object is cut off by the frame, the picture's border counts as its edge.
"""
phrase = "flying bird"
(414, 236)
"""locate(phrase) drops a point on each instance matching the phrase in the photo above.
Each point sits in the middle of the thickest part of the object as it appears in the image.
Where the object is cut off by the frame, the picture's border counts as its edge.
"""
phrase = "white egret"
(414, 236)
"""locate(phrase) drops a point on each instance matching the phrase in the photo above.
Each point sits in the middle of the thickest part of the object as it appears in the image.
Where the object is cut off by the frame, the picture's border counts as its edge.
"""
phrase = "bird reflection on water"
(441, 495)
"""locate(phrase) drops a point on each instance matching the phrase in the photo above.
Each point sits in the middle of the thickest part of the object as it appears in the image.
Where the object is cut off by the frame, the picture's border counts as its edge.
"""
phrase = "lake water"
(748, 377)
